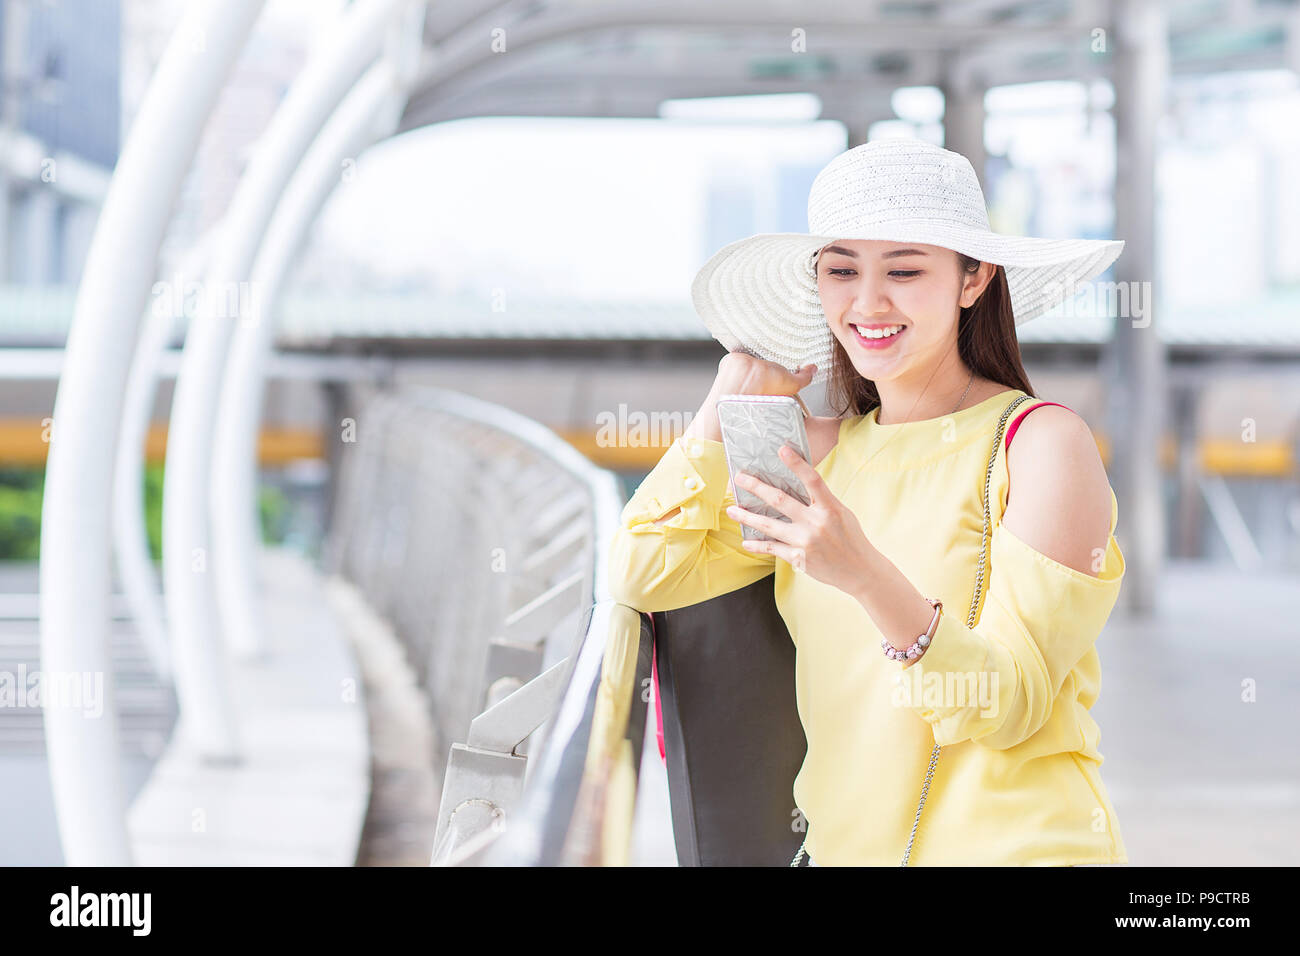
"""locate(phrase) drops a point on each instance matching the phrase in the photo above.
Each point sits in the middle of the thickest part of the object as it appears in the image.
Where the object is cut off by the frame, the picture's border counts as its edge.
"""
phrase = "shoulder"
(1059, 497)
(1051, 431)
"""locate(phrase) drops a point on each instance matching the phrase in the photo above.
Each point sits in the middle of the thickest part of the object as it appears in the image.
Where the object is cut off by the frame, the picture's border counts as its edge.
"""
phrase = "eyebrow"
(893, 254)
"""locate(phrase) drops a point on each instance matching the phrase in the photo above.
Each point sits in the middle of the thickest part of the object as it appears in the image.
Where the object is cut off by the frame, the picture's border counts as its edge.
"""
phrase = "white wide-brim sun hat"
(759, 294)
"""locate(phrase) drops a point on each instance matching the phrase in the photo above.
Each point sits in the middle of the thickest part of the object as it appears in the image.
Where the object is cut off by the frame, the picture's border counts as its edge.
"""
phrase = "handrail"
(581, 802)
(607, 497)
(600, 833)
(576, 706)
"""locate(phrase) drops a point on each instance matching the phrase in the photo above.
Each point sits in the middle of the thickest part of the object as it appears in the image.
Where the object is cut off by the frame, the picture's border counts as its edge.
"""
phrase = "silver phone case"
(754, 427)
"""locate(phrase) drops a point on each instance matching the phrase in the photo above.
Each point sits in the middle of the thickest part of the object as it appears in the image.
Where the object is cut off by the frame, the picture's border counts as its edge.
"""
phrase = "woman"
(908, 303)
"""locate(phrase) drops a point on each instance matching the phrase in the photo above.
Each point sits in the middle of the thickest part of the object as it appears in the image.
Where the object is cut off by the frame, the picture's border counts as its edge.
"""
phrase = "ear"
(973, 285)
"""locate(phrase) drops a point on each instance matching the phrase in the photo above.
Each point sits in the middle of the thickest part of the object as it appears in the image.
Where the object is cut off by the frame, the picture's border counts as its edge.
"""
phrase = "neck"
(917, 400)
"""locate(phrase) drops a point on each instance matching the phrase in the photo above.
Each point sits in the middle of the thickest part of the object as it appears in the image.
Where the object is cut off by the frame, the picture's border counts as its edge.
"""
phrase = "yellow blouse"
(1018, 780)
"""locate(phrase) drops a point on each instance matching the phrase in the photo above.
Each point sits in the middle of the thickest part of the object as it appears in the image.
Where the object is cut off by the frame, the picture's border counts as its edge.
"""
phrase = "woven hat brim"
(760, 293)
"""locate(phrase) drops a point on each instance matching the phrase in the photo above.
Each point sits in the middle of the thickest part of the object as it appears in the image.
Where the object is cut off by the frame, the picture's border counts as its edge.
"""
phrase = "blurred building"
(275, 53)
(59, 120)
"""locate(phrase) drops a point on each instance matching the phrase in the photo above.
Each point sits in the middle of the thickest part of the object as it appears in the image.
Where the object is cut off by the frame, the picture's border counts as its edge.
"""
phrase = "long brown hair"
(986, 342)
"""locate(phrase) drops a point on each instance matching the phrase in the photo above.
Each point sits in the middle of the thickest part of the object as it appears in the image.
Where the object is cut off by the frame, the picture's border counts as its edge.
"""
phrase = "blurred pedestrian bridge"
(429, 668)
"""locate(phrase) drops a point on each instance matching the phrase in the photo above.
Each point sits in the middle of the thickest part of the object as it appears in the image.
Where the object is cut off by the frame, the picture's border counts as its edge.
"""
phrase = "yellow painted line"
(1223, 456)
(25, 443)
(616, 457)
(1217, 456)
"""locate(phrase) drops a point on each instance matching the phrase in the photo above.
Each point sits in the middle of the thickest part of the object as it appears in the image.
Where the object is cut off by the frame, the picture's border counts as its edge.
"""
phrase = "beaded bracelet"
(921, 643)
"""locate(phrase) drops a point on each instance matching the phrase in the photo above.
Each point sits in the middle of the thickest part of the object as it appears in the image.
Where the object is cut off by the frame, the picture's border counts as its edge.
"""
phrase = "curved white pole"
(371, 112)
(130, 538)
(82, 742)
(197, 654)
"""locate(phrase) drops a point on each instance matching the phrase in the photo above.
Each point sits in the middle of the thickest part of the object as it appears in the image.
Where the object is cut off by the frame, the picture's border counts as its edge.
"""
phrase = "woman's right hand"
(740, 373)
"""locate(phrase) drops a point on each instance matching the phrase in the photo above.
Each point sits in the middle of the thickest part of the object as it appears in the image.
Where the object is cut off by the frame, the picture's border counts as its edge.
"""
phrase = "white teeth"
(878, 333)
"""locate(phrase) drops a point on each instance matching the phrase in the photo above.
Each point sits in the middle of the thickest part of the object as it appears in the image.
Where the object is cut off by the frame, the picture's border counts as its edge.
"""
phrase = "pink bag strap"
(1015, 422)
(654, 677)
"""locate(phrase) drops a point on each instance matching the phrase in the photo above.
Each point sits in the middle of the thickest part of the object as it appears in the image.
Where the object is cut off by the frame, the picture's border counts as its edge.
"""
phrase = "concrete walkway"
(300, 797)
(29, 833)
(408, 757)
(1199, 774)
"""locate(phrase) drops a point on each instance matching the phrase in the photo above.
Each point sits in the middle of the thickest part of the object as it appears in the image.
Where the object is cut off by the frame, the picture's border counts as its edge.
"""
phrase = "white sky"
(593, 207)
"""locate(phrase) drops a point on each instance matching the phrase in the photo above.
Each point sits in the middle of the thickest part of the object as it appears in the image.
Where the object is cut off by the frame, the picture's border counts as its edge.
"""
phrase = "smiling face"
(894, 306)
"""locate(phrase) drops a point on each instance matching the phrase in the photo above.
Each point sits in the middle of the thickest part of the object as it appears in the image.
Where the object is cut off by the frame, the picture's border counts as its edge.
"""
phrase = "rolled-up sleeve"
(693, 556)
(996, 683)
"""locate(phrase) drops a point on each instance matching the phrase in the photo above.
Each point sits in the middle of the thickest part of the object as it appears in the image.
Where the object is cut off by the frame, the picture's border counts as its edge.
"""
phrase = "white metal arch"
(370, 113)
(130, 542)
(75, 544)
(198, 653)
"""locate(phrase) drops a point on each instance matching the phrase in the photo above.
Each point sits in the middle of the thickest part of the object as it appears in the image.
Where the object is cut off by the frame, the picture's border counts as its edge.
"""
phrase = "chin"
(874, 372)
(876, 369)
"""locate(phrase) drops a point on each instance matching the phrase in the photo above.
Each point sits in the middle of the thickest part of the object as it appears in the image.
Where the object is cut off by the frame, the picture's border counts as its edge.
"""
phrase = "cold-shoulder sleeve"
(1039, 619)
(696, 554)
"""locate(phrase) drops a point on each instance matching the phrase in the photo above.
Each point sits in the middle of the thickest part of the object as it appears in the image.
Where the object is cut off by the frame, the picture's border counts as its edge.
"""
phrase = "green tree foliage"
(20, 512)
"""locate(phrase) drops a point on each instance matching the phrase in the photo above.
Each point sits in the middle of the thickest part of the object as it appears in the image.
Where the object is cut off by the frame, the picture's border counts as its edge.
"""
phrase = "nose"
(870, 297)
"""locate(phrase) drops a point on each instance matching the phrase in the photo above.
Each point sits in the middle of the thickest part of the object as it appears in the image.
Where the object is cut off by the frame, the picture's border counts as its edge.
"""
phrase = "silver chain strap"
(970, 618)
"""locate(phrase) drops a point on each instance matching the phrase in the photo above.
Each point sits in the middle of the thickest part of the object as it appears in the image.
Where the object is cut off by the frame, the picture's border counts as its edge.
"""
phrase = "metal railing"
(479, 535)
(582, 800)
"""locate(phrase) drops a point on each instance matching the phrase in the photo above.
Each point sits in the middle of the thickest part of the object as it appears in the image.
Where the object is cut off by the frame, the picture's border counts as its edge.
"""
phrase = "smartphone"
(754, 427)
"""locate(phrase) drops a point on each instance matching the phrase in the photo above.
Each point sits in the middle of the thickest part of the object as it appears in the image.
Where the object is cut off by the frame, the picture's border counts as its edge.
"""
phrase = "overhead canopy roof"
(593, 58)
(588, 58)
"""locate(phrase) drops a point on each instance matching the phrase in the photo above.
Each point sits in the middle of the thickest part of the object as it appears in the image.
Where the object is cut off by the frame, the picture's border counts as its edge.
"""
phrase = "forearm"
(997, 681)
(704, 424)
(895, 606)
(659, 565)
